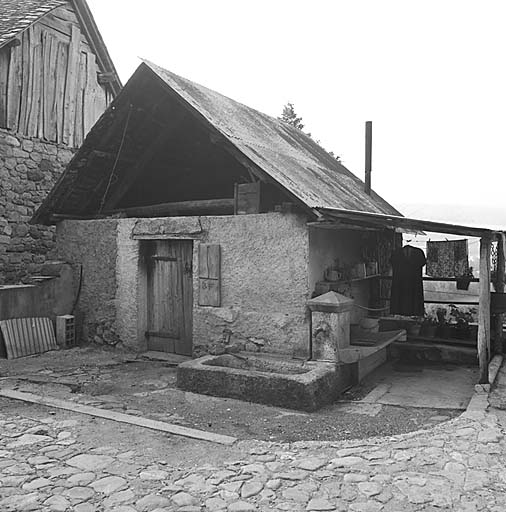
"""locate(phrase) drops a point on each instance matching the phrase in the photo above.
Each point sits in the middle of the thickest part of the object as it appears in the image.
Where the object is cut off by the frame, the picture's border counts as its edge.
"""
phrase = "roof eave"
(96, 41)
(406, 223)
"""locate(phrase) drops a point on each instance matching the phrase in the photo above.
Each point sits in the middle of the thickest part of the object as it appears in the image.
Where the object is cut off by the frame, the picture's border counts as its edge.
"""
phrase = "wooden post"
(499, 287)
(368, 156)
(484, 310)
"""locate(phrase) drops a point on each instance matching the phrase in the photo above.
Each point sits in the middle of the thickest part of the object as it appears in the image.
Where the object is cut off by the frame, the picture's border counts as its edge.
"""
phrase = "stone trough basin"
(304, 385)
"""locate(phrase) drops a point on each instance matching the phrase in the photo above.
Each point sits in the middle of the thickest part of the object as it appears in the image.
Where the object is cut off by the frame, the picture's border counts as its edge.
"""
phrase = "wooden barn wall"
(48, 84)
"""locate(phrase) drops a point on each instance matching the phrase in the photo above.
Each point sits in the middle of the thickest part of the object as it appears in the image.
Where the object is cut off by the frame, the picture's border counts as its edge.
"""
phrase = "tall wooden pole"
(368, 156)
(484, 309)
(499, 287)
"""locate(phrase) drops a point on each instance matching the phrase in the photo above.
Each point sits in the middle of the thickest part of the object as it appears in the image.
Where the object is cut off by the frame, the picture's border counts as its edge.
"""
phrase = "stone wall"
(264, 279)
(264, 287)
(93, 245)
(28, 171)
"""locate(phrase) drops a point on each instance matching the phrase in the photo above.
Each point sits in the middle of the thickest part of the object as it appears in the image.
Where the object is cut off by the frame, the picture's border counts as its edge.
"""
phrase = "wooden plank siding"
(48, 83)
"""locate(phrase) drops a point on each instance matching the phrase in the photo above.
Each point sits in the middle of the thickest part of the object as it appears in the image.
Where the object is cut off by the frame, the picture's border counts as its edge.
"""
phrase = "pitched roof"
(279, 151)
(284, 152)
(17, 15)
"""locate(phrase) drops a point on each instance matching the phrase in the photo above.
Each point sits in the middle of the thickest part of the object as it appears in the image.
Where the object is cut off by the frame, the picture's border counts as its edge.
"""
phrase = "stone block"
(10, 163)
(19, 153)
(46, 165)
(11, 141)
(35, 175)
(20, 230)
(27, 145)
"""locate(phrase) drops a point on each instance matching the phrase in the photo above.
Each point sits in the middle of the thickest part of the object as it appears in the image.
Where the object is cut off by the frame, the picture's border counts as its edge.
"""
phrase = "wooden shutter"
(209, 275)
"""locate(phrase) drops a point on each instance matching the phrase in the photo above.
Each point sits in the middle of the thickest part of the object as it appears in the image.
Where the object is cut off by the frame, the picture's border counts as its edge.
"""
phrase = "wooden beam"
(499, 287)
(484, 309)
(105, 78)
(58, 217)
(131, 174)
(210, 206)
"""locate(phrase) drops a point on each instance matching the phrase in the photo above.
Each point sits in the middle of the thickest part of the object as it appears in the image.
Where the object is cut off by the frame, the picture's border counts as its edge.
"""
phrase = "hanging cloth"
(447, 258)
(407, 285)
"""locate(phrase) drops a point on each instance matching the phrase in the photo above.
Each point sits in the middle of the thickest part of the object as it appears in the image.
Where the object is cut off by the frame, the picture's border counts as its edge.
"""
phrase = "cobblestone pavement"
(459, 465)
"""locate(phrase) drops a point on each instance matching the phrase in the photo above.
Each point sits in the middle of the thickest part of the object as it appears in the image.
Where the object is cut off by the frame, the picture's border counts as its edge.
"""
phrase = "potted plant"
(429, 327)
(462, 329)
(414, 328)
(444, 329)
(462, 317)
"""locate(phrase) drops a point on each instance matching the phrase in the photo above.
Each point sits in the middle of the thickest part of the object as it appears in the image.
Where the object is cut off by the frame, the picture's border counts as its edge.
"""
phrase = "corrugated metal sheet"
(287, 154)
(18, 15)
(28, 336)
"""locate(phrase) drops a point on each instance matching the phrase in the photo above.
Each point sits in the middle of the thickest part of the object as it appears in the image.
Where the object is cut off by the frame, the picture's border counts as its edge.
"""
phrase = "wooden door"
(170, 296)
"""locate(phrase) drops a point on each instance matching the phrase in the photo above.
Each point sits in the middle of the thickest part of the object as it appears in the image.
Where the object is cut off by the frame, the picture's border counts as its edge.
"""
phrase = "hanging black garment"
(407, 284)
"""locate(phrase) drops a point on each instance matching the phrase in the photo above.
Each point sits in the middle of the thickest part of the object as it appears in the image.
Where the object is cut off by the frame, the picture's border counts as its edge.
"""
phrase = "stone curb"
(479, 401)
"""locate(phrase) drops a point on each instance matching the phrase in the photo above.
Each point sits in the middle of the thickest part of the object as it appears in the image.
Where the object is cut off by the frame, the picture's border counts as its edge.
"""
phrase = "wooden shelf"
(438, 279)
(361, 278)
(444, 341)
(354, 279)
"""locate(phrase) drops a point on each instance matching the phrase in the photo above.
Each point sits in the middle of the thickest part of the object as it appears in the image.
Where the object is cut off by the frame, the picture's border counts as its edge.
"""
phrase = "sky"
(430, 75)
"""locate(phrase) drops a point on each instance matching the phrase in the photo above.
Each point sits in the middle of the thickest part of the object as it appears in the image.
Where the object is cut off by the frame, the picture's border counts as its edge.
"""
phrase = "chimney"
(368, 157)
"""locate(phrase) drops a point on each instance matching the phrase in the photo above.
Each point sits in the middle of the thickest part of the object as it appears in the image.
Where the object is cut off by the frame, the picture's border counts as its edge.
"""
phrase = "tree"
(337, 157)
(289, 116)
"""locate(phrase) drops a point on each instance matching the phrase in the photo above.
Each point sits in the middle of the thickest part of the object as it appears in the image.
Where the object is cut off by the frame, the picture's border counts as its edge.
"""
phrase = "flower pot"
(414, 329)
(428, 330)
(463, 283)
(444, 331)
(472, 333)
(431, 331)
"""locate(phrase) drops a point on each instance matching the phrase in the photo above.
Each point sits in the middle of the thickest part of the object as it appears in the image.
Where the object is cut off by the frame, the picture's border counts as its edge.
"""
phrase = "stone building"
(56, 78)
(211, 229)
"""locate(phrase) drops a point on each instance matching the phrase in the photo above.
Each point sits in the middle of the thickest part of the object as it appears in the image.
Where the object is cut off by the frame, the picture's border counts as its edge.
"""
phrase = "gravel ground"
(148, 388)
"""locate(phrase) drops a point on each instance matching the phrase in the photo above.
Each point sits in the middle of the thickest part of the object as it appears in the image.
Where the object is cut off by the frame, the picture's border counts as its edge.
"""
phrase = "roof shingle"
(18, 15)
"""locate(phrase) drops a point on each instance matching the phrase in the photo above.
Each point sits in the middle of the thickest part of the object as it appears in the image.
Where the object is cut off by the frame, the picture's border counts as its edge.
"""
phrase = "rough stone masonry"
(28, 171)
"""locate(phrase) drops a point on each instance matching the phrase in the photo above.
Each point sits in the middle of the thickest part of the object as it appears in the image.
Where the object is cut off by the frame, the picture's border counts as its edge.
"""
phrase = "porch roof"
(333, 217)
